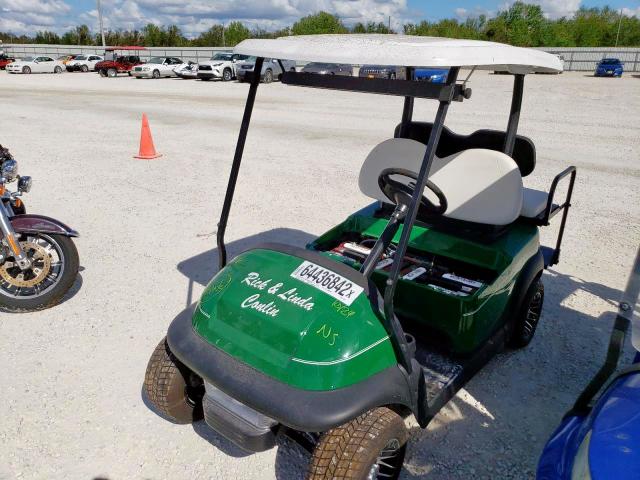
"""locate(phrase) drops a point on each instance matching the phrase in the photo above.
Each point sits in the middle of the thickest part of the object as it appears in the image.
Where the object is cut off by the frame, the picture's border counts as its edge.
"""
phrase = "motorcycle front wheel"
(54, 268)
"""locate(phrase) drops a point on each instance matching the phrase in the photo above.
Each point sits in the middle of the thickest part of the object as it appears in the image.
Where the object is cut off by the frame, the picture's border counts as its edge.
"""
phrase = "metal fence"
(586, 59)
(578, 59)
(186, 53)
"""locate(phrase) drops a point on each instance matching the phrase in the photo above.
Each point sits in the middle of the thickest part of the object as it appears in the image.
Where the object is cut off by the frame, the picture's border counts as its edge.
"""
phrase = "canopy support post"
(407, 110)
(397, 338)
(514, 114)
(237, 158)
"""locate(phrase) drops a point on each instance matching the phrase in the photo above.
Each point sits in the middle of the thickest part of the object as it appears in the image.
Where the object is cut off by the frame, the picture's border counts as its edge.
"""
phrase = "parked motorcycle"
(38, 259)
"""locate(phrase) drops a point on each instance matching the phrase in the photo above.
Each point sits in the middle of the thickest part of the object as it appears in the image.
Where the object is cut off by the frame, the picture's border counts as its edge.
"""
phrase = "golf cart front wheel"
(369, 447)
(528, 316)
(172, 388)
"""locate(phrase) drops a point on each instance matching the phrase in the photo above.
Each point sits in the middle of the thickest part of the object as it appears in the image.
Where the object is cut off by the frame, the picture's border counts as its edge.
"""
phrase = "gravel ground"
(72, 405)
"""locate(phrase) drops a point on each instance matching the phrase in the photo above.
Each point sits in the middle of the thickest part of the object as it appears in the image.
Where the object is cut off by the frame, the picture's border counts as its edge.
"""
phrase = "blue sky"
(195, 16)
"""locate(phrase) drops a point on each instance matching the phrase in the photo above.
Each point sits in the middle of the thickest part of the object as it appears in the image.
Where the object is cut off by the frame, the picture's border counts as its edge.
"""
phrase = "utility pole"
(223, 43)
(389, 24)
(619, 25)
(100, 22)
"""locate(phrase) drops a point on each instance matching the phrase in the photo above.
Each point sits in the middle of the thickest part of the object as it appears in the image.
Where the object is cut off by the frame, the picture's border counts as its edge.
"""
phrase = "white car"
(84, 63)
(157, 67)
(39, 64)
(188, 70)
(221, 66)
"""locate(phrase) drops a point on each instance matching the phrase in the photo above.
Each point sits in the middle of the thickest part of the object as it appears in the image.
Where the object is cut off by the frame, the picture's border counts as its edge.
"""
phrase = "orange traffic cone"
(147, 150)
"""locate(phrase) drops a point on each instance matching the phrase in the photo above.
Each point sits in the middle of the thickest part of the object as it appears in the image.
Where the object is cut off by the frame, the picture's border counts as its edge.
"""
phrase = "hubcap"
(388, 463)
(47, 266)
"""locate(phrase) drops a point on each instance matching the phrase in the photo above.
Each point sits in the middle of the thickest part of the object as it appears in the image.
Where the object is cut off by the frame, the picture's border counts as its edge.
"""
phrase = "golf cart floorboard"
(440, 372)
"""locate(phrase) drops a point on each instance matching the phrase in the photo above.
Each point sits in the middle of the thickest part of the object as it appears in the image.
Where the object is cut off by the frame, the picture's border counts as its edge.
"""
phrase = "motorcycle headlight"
(24, 184)
(9, 170)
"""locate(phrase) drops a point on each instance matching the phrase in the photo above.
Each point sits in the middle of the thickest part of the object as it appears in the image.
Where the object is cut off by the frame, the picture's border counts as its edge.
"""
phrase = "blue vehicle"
(609, 67)
(433, 75)
(599, 438)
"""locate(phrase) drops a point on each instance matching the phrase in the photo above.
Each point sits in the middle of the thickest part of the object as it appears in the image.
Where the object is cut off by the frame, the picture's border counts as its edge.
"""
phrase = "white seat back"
(481, 186)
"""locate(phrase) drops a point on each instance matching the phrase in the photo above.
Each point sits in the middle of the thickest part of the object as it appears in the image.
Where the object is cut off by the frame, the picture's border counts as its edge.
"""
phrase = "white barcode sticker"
(413, 274)
(464, 281)
(384, 263)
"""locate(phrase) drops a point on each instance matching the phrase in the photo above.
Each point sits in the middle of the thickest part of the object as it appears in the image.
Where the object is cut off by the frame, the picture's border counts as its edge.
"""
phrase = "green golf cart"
(392, 311)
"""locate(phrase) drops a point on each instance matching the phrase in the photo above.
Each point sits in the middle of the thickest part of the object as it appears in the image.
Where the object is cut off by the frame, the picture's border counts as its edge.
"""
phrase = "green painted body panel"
(466, 322)
(318, 343)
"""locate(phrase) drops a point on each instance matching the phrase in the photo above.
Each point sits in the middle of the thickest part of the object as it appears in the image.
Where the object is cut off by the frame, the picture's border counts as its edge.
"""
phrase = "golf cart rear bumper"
(303, 410)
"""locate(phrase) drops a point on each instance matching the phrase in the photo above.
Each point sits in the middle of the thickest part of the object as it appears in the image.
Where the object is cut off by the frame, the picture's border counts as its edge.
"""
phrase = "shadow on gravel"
(518, 399)
(201, 268)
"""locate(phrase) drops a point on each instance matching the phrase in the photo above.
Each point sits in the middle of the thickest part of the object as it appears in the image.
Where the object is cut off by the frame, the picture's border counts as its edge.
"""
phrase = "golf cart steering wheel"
(401, 193)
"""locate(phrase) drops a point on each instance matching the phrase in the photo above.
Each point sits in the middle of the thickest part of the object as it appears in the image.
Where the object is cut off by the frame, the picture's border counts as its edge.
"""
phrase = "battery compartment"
(443, 274)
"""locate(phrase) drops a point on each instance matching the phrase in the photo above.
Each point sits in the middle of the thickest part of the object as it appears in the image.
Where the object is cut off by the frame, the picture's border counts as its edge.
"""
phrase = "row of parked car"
(223, 66)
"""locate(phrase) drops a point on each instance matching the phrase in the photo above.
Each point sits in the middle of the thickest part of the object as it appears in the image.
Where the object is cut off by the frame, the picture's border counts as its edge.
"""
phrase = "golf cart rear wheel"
(171, 387)
(268, 76)
(112, 72)
(528, 317)
(370, 446)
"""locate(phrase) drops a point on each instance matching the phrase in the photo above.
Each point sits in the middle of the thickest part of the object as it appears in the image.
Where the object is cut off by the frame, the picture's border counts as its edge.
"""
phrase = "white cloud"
(552, 9)
(631, 12)
(195, 16)
(463, 13)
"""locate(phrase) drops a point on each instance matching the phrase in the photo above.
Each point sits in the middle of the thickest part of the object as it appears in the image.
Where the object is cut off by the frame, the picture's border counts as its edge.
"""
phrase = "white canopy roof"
(402, 50)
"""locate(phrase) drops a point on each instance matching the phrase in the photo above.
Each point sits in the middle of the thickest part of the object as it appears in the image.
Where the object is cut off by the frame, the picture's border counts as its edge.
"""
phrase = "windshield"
(610, 61)
(222, 56)
(81, 57)
(156, 60)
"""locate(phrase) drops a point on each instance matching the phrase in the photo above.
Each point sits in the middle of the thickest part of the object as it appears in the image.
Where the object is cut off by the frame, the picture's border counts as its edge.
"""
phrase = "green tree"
(321, 22)
(234, 33)
(47, 37)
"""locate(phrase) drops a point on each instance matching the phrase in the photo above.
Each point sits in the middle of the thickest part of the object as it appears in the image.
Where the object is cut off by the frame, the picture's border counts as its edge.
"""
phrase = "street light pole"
(100, 22)
(619, 24)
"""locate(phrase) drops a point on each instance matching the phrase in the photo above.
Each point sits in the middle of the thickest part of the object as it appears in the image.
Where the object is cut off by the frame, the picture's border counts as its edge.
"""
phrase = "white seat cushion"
(481, 186)
(533, 202)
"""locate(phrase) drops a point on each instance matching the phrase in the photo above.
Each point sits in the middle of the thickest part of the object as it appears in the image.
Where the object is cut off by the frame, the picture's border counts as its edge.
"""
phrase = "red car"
(116, 60)
(4, 61)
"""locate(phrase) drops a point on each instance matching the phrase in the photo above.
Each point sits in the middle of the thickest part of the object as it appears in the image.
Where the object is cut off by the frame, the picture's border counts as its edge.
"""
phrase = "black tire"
(57, 69)
(528, 317)
(112, 73)
(172, 388)
(103, 72)
(26, 70)
(84, 68)
(227, 75)
(352, 451)
(57, 291)
(268, 76)
(155, 74)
